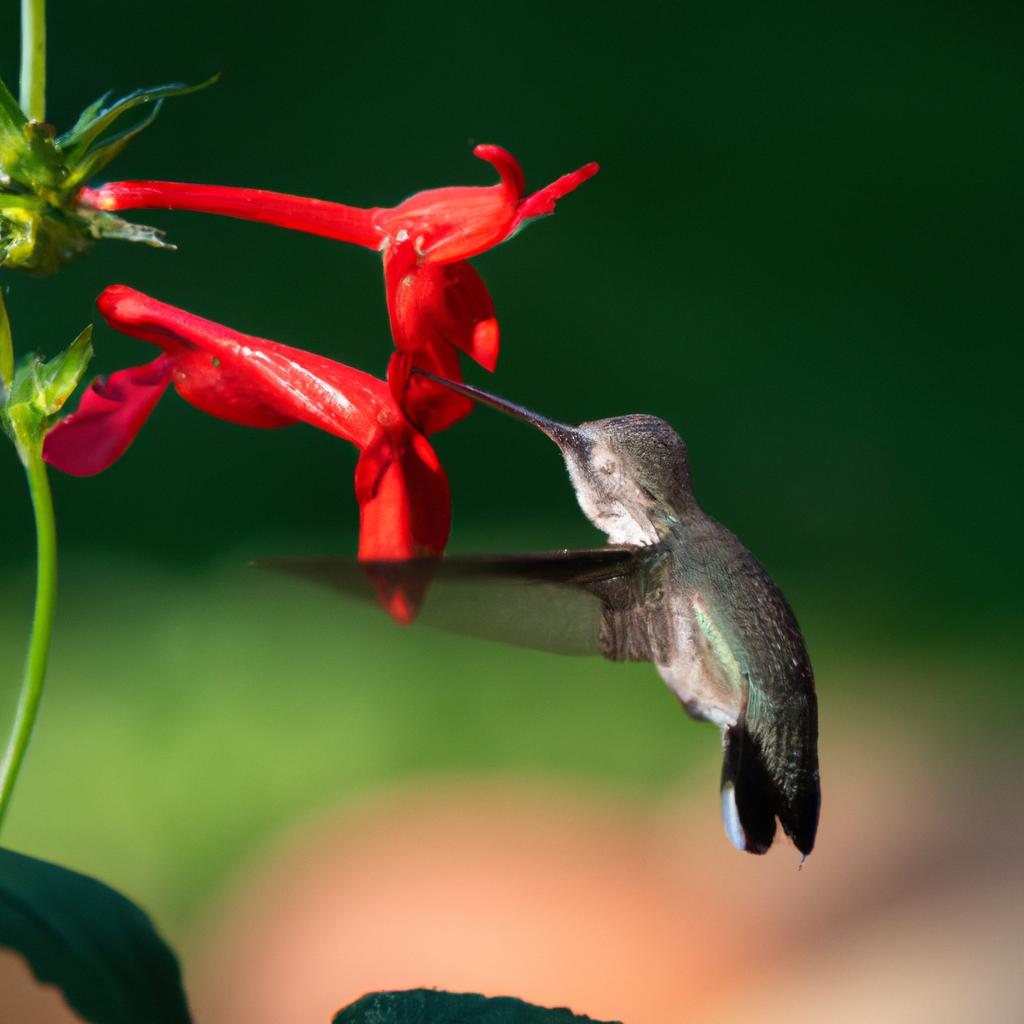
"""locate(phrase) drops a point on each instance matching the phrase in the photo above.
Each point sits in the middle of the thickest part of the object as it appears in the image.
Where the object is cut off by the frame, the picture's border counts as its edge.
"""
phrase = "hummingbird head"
(631, 474)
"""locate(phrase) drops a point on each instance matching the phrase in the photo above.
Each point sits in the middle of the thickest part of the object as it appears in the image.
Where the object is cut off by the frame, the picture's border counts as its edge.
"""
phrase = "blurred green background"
(803, 250)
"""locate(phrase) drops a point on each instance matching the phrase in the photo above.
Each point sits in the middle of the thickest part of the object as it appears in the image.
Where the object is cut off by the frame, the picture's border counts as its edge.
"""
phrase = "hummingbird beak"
(562, 434)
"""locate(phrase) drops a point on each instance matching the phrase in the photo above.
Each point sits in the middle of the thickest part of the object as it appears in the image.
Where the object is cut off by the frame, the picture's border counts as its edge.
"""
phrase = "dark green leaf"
(97, 946)
(430, 1006)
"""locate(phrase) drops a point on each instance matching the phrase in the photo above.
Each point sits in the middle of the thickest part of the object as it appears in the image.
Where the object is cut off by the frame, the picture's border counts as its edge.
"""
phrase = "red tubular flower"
(437, 303)
(400, 486)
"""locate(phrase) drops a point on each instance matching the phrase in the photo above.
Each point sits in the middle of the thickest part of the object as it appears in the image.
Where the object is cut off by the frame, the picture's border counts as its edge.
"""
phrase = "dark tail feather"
(764, 777)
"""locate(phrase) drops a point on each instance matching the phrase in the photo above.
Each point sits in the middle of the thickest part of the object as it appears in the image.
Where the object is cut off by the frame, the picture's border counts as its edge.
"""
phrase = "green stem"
(33, 59)
(42, 627)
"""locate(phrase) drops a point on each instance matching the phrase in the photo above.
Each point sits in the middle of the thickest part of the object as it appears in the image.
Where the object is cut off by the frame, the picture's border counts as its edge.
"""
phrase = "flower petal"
(253, 381)
(443, 224)
(430, 407)
(512, 177)
(404, 511)
(448, 302)
(542, 203)
(108, 417)
(297, 213)
(455, 223)
(436, 309)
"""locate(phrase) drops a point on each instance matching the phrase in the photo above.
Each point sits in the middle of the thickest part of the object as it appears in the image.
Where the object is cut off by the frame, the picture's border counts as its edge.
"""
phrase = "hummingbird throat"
(609, 499)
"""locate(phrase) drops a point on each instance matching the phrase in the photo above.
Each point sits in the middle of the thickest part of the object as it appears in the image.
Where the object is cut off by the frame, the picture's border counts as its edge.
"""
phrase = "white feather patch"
(731, 818)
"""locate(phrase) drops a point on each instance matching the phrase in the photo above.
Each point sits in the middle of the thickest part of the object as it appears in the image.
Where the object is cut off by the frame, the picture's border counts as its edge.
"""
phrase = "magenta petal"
(108, 417)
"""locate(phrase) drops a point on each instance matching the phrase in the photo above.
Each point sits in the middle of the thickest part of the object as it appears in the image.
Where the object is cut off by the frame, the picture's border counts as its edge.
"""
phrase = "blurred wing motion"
(566, 602)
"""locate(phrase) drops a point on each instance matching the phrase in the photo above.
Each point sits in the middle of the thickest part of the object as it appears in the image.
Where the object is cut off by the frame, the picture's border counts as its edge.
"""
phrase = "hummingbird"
(673, 587)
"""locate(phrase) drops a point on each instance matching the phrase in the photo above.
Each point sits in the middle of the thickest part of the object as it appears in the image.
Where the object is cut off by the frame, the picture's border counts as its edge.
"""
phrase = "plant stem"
(42, 626)
(33, 59)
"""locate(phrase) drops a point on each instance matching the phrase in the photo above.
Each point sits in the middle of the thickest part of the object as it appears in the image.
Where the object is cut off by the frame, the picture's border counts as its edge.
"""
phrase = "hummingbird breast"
(699, 668)
(704, 658)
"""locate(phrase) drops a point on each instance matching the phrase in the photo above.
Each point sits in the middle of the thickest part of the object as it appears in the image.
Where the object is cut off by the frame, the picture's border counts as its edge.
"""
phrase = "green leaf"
(97, 946)
(430, 1006)
(95, 120)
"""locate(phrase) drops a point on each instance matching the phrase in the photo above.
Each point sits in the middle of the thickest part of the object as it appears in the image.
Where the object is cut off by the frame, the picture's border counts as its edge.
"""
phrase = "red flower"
(437, 302)
(400, 486)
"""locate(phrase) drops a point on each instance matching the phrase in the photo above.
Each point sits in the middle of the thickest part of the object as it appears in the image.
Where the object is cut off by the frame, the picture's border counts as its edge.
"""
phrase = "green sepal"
(42, 226)
(95, 945)
(29, 156)
(93, 161)
(87, 148)
(41, 166)
(40, 389)
(38, 238)
(108, 225)
(62, 374)
(12, 120)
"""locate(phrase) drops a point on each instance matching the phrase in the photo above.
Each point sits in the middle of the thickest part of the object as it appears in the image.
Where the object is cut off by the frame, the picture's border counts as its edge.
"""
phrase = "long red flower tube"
(400, 486)
(437, 302)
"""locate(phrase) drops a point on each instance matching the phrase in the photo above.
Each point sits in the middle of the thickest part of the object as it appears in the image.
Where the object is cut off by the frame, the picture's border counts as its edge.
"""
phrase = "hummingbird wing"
(566, 602)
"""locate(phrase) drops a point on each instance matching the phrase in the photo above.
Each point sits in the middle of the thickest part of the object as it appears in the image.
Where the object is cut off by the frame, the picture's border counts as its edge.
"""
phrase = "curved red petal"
(251, 380)
(108, 417)
(297, 213)
(512, 177)
(542, 203)
(486, 343)
(455, 223)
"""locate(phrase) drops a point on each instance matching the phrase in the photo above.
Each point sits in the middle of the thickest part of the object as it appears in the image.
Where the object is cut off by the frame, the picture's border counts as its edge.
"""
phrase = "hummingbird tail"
(765, 776)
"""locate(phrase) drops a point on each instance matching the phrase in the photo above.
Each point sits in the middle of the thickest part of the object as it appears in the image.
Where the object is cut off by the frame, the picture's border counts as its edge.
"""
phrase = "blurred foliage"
(802, 250)
(423, 1006)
